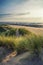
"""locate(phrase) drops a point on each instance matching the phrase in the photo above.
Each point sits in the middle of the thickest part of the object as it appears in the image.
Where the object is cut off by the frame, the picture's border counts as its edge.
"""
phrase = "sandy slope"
(23, 59)
(32, 29)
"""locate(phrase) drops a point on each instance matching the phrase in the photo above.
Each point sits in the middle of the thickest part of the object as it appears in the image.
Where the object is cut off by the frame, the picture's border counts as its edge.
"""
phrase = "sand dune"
(35, 30)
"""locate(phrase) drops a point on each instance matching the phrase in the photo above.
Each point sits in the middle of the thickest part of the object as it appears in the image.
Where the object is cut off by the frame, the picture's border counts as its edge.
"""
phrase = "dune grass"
(25, 42)
(7, 42)
(20, 44)
(23, 31)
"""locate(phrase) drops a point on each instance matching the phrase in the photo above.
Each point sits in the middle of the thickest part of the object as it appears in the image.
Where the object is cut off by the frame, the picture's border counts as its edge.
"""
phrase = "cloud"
(13, 14)
(21, 9)
(17, 6)
(4, 15)
(23, 13)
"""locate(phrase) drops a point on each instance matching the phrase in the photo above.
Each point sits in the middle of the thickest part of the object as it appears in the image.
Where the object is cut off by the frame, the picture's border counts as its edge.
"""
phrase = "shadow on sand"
(24, 59)
(33, 61)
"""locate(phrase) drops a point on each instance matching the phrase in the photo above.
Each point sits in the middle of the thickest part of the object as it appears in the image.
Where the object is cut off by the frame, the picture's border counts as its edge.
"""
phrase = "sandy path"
(23, 59)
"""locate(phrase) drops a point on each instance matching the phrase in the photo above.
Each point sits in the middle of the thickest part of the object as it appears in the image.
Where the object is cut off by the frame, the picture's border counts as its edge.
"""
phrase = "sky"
(21, 10)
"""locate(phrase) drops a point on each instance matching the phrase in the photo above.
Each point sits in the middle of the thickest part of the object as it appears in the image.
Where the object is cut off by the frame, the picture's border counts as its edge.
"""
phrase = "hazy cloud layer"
(21, 9)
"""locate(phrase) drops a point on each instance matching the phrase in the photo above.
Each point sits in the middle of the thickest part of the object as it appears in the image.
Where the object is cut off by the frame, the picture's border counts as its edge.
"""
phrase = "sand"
(37, 31)
(23, 59)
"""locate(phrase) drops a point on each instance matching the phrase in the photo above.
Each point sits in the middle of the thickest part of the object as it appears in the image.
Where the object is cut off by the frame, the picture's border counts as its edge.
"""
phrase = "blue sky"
(8, 6)
(21, 10)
